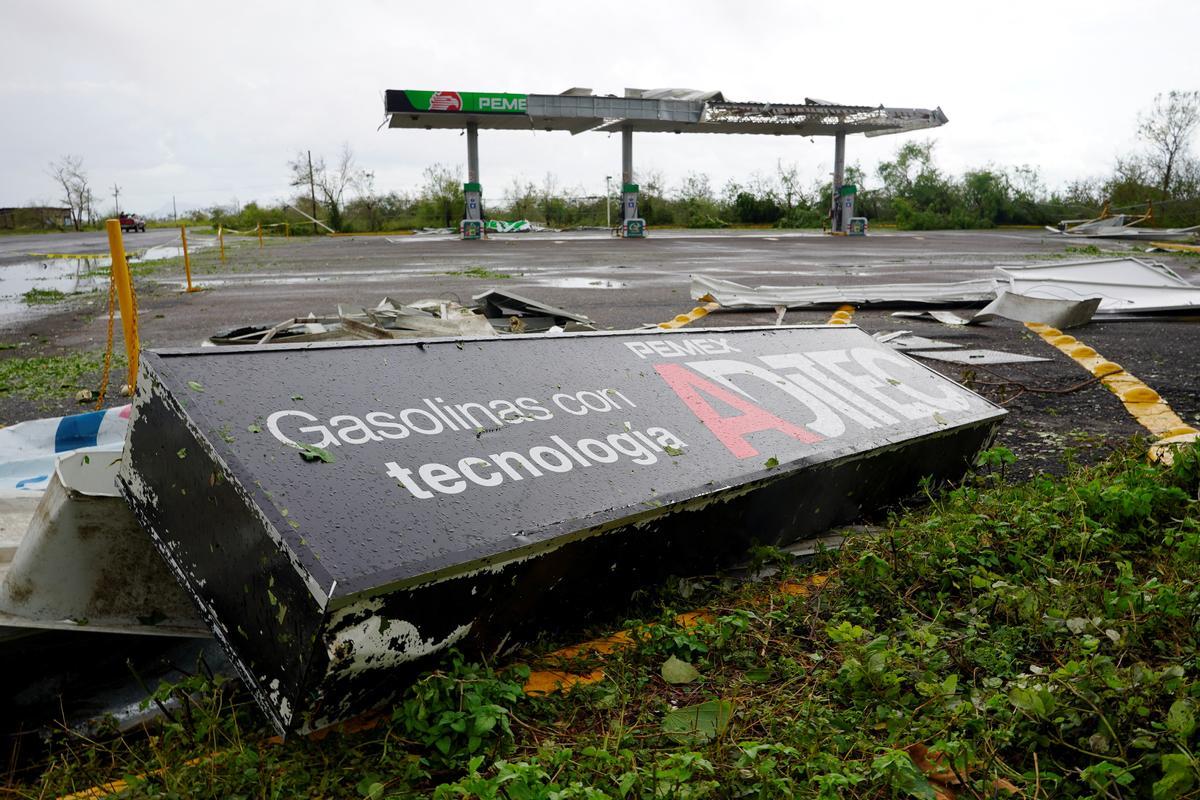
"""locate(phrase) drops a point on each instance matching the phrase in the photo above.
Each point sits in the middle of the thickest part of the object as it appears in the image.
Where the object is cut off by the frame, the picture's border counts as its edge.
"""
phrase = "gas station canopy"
(650, 111)
(646, 111)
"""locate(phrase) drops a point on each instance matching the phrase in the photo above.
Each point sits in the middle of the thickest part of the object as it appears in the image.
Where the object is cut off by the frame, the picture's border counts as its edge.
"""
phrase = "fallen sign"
(341, 512)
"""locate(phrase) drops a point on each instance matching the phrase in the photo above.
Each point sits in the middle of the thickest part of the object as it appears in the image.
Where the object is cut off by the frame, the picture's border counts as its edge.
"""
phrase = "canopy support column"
(472, 223)
(836, 223)
(632, 226)
(841, 215)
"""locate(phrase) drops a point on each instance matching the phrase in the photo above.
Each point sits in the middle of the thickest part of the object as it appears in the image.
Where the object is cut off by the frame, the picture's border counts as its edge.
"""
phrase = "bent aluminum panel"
(735, 295)
(480, 488)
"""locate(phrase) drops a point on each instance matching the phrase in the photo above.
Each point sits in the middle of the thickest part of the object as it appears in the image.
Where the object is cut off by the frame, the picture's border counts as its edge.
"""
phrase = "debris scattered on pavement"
(1124, 285)
(907, 340)
(516, 314)
(494, 312)
(733, 295)
(982, 356)
(1121, 226)
(1061, 314)
(1078, 289)
(392, 320)
(308, 329)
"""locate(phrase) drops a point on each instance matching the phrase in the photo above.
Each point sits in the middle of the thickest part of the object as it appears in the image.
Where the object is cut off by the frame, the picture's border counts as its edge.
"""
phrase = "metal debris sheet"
(976, 356)
(735, 295)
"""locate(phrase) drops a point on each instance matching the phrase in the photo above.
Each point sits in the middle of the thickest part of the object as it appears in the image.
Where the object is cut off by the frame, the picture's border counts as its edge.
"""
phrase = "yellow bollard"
(221, 239)
(187, 262)
(287, 231)
(120, 276)
(260, 236)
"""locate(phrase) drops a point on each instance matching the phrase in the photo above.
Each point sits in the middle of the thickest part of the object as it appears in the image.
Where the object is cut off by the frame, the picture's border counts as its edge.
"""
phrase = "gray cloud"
(208, 102)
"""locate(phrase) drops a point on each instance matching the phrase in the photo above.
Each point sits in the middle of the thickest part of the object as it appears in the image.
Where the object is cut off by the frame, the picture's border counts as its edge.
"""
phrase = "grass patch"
(480, 272)
(1024, 640)
(43, 297)
(42, 378)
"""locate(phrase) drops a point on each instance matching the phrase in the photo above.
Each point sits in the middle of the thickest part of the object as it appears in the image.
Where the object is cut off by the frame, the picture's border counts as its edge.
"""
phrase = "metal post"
(632, 225)
(221, 239)
(120, 276)
(471, 226)
(287, 231)
(472, 152)
(312, 192)
(607, 202)
(839, 175)
(627, 155)
(260, 236)
(187, 262)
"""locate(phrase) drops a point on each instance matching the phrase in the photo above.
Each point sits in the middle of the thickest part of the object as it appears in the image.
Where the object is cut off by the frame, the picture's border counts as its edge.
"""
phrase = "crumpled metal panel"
(341, 513)
(1124, 285)
(735, 295)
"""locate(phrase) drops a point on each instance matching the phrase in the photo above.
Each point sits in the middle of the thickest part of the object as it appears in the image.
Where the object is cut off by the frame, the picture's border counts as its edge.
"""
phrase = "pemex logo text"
(445, 101)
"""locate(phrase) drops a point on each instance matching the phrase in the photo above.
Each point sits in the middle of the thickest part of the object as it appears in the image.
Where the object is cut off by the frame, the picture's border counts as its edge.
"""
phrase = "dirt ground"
(1054, 411)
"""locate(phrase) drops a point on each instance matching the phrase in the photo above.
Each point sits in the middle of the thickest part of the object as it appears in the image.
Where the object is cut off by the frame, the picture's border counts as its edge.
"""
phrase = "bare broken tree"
(364, 184)
(1167, 129)
(69, 174)
(329, 182)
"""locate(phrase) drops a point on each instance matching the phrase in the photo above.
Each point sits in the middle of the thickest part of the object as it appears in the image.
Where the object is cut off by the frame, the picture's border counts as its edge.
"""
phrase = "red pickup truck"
(132, 222)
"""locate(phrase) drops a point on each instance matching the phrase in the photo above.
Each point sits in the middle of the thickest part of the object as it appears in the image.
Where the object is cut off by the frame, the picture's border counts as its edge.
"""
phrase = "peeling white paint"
(380, 643)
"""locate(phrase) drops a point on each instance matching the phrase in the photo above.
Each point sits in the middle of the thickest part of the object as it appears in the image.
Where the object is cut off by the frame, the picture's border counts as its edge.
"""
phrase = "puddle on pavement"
(65, 276)
(580, 283)
(161, 251)
(23, 282)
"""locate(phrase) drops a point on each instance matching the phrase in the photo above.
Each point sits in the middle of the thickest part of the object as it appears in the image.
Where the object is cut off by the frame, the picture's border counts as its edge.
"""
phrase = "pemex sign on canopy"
(453, 102)
(342, 512)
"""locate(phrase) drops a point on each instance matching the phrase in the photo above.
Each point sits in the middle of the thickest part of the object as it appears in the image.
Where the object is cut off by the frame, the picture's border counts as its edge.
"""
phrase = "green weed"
(1005, 637)
(480, 272)
(43, 297)
(43, 378)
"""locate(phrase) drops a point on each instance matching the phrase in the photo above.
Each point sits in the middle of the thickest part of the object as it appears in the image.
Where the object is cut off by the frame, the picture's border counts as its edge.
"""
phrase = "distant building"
(35, 217)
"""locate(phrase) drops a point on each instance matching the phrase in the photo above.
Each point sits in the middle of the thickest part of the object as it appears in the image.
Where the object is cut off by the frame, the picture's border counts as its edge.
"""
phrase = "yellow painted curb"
(1143, 403)
(696, 313)
(842, 316)
(1163, 451)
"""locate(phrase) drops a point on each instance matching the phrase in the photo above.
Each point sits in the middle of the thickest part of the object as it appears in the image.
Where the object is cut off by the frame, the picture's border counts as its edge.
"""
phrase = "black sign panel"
(343, 510)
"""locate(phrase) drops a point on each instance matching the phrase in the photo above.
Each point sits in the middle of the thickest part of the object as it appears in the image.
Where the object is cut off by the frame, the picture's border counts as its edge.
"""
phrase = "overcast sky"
(209, 101)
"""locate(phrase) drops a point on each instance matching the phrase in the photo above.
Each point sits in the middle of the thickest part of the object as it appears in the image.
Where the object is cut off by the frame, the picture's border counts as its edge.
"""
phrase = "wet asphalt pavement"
(625, 284)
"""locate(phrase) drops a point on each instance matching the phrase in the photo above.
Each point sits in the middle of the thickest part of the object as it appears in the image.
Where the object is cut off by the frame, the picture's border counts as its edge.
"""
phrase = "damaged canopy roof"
(647, 110)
